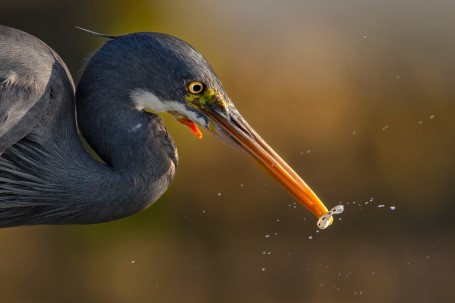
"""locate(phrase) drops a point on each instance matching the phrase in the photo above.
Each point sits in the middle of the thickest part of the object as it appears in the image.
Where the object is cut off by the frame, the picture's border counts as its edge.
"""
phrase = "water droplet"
(364, 36)
(397, 77)
(392, 207)
(263, 269)
(381, 205)
(354, 133)
(132, 262)
(203, 211)
(385, 127)
(308, 151)
(310, 237)
(420, 122)
(267, 236)
(432, 116)
(219, 194)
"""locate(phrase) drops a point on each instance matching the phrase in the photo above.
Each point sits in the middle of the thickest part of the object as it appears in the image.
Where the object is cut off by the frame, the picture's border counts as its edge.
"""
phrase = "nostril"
(241, 126)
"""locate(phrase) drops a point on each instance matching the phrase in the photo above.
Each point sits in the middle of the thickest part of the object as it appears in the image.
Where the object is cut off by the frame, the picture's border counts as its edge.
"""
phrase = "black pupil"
(197, 88)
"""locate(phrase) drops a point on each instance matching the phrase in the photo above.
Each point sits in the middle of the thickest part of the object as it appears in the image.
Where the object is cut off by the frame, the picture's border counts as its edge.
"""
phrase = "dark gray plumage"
(47, 176)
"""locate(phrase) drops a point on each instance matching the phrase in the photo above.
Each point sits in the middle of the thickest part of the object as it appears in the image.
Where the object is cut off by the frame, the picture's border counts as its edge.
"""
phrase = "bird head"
(178, 80)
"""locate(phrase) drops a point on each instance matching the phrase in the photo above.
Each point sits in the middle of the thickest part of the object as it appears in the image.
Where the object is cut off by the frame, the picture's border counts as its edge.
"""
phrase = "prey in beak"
(226, 122)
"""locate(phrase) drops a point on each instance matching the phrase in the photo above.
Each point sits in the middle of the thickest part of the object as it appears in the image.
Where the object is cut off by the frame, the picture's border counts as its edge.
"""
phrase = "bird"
(99, 151)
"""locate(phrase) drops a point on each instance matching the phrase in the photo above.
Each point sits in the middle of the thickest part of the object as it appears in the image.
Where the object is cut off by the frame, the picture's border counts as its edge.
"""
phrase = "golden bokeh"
(357, 96)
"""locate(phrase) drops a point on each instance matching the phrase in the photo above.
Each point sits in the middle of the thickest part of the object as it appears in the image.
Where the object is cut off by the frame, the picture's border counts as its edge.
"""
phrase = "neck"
(140, 155)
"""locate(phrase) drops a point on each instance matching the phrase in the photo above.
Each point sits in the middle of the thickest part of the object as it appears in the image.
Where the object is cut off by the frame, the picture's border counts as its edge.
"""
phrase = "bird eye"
(196, 87)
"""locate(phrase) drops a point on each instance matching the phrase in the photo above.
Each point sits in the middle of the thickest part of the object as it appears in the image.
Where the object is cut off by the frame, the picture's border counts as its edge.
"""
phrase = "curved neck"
(135, 145)
(126, 139)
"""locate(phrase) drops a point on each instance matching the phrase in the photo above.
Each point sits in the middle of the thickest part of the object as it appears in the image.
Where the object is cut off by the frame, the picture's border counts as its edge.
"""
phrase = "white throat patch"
(145, 100)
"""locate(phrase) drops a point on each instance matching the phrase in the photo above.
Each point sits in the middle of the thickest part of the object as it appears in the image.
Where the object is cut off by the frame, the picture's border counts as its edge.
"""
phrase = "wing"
(26, 65)
(21, 107)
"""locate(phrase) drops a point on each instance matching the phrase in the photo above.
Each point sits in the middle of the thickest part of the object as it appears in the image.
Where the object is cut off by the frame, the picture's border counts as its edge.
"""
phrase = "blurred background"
(357, 96)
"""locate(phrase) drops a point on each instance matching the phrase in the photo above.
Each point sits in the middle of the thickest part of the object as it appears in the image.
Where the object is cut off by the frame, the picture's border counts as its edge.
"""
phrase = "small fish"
(325, 220)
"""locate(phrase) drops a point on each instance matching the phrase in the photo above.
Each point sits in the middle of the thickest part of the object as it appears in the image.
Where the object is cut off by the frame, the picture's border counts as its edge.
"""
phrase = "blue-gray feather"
(46, 175)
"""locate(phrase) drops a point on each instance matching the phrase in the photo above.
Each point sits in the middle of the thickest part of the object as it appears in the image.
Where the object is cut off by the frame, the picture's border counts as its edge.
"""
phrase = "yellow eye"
(196, 87)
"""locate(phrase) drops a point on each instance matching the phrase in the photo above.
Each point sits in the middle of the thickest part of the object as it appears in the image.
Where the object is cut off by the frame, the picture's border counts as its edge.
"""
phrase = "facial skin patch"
(325, 220)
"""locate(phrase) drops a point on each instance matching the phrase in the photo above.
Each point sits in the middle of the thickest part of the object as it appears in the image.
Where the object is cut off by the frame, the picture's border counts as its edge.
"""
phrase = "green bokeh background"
(357, 96)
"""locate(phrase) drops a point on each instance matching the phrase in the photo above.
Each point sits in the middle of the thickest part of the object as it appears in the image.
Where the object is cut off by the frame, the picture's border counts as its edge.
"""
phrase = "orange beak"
(234, 130)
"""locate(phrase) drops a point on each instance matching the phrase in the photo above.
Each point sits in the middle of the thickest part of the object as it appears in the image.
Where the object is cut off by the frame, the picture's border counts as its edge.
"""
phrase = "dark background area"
(357, 96)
